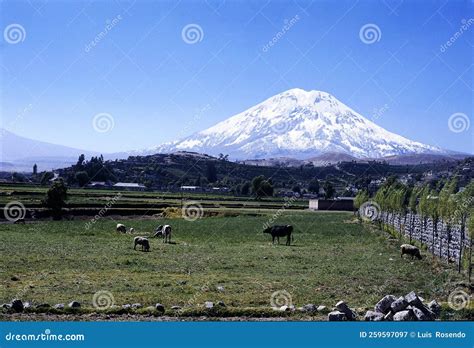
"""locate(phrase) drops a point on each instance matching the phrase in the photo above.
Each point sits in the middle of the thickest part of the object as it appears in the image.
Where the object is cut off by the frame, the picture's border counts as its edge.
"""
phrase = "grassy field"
(332, 258)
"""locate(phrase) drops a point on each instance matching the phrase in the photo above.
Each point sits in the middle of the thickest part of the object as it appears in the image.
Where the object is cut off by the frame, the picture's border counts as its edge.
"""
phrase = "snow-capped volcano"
(298, 124)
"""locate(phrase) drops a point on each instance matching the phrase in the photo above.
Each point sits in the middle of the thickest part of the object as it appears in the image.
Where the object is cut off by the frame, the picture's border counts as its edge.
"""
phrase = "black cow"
(280, 231)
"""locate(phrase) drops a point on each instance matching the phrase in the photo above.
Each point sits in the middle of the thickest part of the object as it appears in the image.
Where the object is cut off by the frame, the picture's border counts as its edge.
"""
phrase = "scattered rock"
(43, 305)
(74, 304)
(220, 288)
(137, 305)
(321, 308)
(413, 299)
(344, 308)
(383, 306)
(127, 306)
(373, 316)
(399, 304)
(59, 306)
(15, 278)
(388, 316)
(26, 305)
(309, 308)
(403, 315)
(176, 308)
(435, 308)
(336, 316)
(420, 315)
(7, 305)
(286, 308)
(17, 305)
(160, 308)
(221, 303)
(182, 282)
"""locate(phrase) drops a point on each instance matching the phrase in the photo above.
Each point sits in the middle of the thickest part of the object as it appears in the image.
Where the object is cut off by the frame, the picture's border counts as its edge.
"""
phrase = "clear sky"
(158, 85)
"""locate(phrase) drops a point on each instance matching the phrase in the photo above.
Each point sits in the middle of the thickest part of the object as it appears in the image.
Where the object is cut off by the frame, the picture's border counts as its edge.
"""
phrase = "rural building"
(341, 203)
(129, 186)
(190, 188)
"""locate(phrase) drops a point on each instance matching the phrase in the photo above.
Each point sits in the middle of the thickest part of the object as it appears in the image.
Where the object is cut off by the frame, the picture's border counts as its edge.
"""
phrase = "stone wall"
(442, 240)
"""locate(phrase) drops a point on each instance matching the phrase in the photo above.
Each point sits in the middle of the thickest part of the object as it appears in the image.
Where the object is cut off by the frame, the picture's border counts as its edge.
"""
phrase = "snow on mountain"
(297, 124)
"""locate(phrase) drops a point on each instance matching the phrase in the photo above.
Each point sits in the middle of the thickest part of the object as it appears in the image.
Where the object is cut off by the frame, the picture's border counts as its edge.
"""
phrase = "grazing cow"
(280, 231)
(163, 232)
(143, 241)
(410, 250)
(121, 228)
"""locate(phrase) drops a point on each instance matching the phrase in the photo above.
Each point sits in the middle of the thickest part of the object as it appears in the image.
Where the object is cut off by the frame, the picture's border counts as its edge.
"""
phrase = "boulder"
(344, 308)
(399, 304)
(405, 315)
(287, 308)
(336, 316)
(74, 304)
(7, 305)
(420, 315)
(176, 308)
(160, 308)
(413, 299)
(43, 305)
(321, 308)
(309, 308)
(137, 305)
(388, 316)
(220, 288)
(221, 303)
(127, 306)
(209, 305)
(373, 316)
(59, 306)
(383, 306)
(17, 305)
(435, 308)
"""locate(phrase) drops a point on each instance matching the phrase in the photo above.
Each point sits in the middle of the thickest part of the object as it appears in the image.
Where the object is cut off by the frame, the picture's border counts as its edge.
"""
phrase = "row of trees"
(437, 201)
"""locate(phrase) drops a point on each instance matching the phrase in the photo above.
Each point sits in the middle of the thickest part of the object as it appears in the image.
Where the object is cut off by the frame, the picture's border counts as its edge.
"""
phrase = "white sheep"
(143, 241)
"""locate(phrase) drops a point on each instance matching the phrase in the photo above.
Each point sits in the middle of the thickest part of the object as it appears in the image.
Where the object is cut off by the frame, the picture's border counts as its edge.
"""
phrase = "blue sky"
(156, 87)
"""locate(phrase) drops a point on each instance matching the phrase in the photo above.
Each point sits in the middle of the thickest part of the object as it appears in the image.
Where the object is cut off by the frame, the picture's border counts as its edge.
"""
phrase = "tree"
(245, 189)
(80, 162)
(296, 189)
(211, 172)
(262, 187)
(328, 190)
(46, 177)
(56, 198)
(35, 169)
(82, 178)
(313, 186)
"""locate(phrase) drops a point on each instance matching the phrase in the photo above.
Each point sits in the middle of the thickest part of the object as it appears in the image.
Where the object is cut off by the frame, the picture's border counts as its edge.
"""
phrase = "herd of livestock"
(164, 231)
